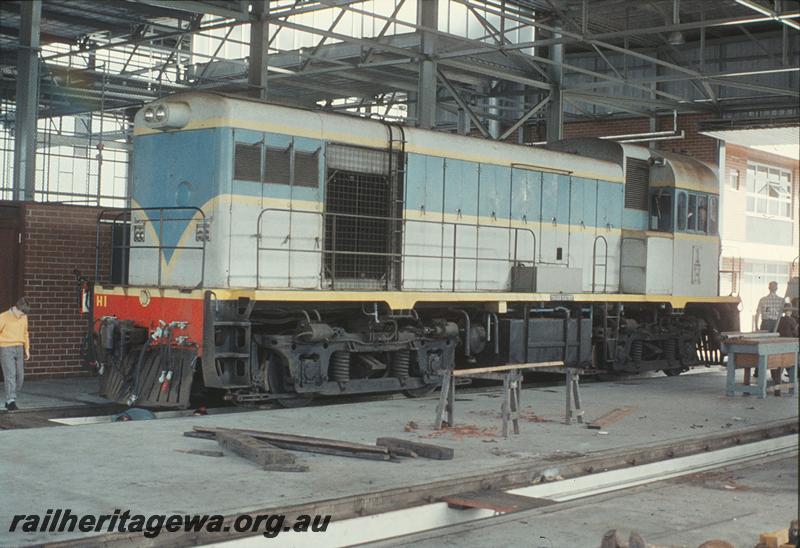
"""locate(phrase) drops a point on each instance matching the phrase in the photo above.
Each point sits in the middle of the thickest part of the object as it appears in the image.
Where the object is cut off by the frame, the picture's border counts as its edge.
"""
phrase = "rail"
(124, 218)
(334, 255)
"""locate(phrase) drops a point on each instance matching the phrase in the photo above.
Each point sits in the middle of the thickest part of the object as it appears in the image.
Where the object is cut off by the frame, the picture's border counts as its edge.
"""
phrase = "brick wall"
(57, 239)
(693, 144)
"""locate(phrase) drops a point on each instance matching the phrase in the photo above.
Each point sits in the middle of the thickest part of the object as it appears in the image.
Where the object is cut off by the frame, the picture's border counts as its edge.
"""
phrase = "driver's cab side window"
(661, 211)
(682, 211)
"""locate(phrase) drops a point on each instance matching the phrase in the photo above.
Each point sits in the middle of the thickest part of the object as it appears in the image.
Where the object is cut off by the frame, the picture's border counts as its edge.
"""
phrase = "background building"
(759, 229)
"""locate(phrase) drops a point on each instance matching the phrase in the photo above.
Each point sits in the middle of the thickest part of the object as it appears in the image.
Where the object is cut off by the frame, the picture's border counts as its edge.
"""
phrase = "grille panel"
(637, 183)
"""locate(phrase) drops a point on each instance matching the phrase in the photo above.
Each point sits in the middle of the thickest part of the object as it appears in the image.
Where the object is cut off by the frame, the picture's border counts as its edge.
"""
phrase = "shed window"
(247, 162)
(278, 165)
(769, 191)
(682, 211)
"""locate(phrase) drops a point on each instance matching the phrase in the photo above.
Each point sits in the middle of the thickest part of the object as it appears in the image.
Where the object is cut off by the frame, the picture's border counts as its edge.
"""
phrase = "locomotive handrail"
(595, 265)
(390, 255)
(124, 217)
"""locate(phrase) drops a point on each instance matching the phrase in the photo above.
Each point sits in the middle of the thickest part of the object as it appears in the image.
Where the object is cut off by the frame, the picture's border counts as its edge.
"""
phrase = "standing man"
(770, 309)
(787, 327)
(13, 340)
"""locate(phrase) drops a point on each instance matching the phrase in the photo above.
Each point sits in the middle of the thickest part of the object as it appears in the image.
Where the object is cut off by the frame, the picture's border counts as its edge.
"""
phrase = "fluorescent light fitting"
(756, 72)
(758, 7)
(790, 23)
(676, 38)
(746, 21)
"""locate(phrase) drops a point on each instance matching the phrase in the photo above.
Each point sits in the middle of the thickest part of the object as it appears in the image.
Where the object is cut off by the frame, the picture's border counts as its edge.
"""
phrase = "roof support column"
(259, 49)
(463, 127)
(427, 16)
(27, 101)
(555, 111)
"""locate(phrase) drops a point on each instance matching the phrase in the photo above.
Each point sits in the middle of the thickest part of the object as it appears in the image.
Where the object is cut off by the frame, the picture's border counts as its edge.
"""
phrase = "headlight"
(166, 115)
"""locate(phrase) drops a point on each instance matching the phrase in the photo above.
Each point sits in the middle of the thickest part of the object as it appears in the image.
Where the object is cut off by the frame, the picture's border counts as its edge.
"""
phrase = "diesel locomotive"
(275, 253)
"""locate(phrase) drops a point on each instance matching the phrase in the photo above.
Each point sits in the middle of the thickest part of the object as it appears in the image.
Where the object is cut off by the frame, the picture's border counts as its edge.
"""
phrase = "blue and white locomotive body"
(334, 227)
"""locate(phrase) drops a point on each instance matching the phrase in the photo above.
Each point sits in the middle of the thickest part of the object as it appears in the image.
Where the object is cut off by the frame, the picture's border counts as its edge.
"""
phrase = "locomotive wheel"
(420, 392)
(276, 381)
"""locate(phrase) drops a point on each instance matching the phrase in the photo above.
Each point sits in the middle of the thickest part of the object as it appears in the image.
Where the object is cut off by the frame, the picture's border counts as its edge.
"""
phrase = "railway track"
(411, 525)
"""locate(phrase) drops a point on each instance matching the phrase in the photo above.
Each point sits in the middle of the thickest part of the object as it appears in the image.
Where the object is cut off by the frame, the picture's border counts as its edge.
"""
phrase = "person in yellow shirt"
(13, 340)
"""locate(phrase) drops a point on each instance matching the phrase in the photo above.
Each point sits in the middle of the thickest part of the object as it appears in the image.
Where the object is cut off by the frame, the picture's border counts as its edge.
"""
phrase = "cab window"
(661, 211)
(691, 218)
(682, 211)
(713, 212)
(702, 213)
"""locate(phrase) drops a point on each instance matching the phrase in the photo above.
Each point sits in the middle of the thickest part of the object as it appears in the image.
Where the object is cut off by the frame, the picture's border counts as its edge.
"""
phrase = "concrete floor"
(49, 393)
(730, 504)
(98, 468)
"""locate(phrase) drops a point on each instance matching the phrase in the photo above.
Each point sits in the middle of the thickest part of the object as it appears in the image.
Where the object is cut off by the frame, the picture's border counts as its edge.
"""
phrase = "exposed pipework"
(649, 135)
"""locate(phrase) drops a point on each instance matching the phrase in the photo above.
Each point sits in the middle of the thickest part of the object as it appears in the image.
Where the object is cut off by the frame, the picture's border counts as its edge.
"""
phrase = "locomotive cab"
(679, 252)
(669, 243)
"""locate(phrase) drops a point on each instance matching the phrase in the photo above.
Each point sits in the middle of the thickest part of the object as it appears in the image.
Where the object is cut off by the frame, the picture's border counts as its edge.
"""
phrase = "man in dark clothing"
(787, 327)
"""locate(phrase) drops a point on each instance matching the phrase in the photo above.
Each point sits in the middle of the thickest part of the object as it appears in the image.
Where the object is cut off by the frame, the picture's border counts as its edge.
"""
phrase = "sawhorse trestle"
(511, 375)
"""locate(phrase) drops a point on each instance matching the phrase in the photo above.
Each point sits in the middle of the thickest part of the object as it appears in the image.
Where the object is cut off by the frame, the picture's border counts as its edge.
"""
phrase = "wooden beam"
(426, 450)
(310, 444)
(201, 452)
(246, 446)
(502, 368)
(498, 501)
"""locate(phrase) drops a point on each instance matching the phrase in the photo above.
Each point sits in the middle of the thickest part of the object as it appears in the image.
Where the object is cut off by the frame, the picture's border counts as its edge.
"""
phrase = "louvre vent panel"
(637, 183)
(306, 169)
(247, 162)
(277, 166)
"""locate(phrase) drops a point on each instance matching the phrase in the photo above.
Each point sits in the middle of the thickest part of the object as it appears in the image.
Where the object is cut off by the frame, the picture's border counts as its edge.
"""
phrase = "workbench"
(764, 354)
